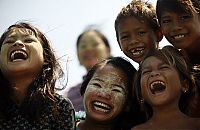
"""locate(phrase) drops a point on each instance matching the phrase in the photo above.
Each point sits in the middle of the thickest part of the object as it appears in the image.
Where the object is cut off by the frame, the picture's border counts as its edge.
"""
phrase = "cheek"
(118, 98)
(101, 52)
(39, 52)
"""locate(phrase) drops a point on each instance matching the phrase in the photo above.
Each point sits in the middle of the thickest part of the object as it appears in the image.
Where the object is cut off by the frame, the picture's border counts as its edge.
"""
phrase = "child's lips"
(137, 51)
(101, 107)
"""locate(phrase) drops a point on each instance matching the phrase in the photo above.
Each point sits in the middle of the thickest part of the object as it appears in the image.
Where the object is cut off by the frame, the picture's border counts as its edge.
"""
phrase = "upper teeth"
(19, 51)
(156, 82)
(179, 36)
(137, 51)
(102, 104)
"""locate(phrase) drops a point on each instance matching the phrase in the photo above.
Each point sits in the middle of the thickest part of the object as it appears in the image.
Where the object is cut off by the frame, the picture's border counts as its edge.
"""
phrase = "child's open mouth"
(102, 107)
(137, 51)
(157, 87)
(18, 55)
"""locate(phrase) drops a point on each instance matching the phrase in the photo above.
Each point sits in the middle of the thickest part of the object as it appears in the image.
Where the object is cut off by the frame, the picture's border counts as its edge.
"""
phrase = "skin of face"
(181, 29)
(136, 38)
(105, 94)
(155, 70)
(91, 50)
(23, 42)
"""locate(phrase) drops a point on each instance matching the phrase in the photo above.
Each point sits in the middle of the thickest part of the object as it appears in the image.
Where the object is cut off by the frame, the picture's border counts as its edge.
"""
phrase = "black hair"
(42, 89)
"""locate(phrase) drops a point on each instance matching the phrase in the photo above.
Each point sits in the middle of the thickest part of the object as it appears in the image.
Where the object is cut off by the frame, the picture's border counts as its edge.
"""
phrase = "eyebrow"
(98, 79)
(148, 67)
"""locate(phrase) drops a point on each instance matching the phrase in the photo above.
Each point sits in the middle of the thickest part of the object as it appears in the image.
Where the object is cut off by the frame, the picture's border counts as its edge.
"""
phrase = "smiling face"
(21, 54)
(181, 29)
(160, 82)
(92, 49)
(136, 38)
(106, 93)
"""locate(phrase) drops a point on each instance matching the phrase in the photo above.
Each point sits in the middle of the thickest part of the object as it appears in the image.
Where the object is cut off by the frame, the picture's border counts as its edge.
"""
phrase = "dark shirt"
(75, 96)
(47, 120)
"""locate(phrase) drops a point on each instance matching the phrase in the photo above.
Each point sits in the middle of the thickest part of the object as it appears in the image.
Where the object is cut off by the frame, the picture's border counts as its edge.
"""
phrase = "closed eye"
(165, 21)
(185, 17)
(145, 72)
(9, 40)
(96, 84)
(164, 67)
(29, 40)
(116, 90)
(124, 37)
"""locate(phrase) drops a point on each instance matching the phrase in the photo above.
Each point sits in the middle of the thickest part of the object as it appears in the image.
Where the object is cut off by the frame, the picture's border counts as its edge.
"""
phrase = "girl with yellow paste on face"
(106, 94)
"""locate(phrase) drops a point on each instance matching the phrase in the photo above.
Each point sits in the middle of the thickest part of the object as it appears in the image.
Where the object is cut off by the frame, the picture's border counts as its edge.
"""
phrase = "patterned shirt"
(47, 121)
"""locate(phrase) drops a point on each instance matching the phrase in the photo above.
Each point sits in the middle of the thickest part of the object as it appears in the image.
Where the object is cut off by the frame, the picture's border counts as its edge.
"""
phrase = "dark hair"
(171, 56)
(143, 11)
(41, 90)
(179, 6)
(101, 35)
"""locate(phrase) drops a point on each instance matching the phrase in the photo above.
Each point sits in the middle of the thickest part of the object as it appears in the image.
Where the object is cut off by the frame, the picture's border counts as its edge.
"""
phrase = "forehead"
(90, 36)
(152, 61)
(133, 22)
(23, 31)
(109, 73)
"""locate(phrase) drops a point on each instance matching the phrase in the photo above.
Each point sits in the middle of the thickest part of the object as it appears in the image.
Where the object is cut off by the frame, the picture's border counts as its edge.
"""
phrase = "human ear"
(185, 86)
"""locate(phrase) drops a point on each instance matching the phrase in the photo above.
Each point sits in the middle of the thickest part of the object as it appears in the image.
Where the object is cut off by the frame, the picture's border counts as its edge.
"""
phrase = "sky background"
(62, 21)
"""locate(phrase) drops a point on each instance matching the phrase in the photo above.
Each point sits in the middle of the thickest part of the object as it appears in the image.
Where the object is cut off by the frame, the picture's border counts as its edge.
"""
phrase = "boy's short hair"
(179, 6)
(140, 9)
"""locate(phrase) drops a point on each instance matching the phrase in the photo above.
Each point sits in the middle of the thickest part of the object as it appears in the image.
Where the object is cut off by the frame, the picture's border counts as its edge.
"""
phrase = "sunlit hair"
(177, 6)
(141, 10)
(171, 56)
(42, 89)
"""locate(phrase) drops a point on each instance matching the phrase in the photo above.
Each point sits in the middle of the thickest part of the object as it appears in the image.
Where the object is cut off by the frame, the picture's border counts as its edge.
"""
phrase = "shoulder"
(140, 127)
(66, 113)
(63, 103)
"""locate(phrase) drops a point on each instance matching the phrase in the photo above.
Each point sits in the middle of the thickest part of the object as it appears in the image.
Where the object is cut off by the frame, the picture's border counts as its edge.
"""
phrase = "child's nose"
(154, 73)
(104, 93)
(134, 40)
(18, 43)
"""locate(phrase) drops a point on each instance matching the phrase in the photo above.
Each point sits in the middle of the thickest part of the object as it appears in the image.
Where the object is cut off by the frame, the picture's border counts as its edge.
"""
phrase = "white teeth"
(137, 51)
(15, 52)
(156, 82)
(102, 104)
(179, 36)
(100, 109)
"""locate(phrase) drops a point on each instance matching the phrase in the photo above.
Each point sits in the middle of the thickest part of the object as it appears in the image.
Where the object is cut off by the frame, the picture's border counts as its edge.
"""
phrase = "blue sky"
(62, 21)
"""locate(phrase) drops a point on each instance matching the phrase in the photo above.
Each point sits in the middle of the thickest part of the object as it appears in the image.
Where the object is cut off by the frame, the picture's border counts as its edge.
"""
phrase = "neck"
(20, 87)
(163, 113)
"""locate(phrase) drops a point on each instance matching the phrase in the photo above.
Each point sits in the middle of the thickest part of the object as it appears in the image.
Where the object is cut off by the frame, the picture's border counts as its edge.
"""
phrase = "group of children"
(162, 94)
